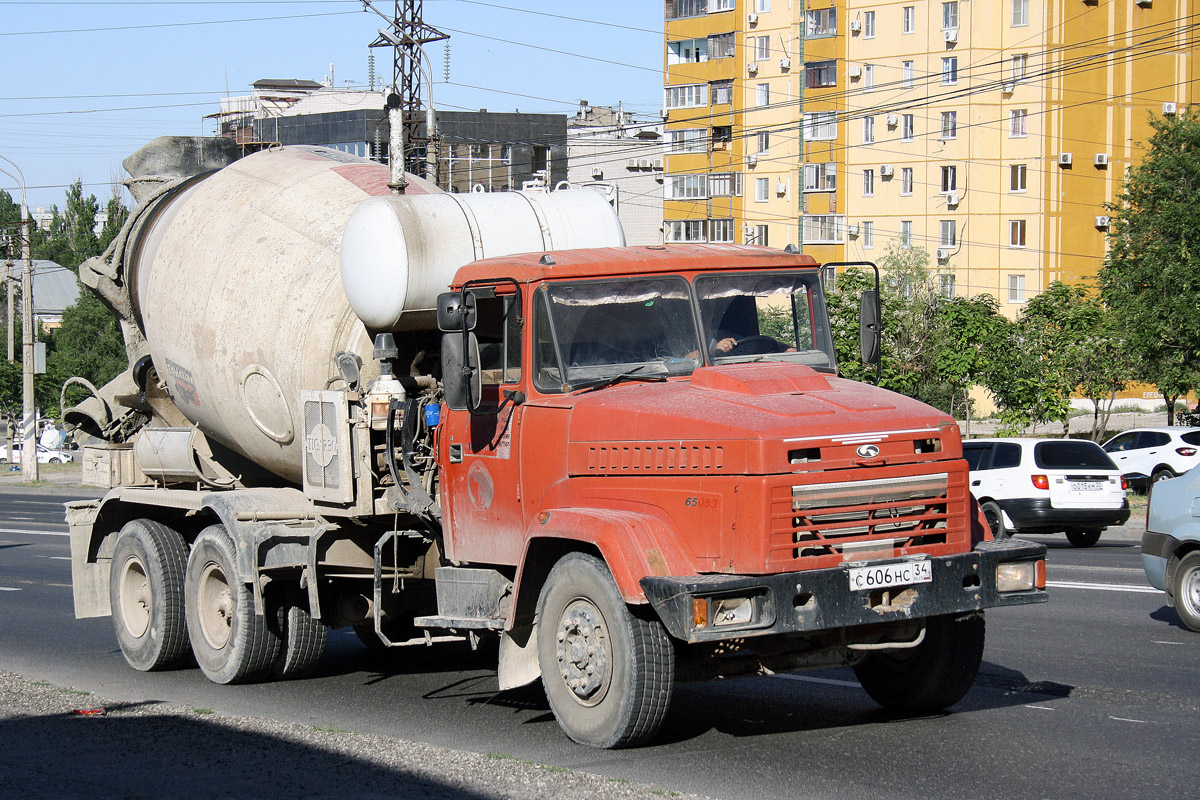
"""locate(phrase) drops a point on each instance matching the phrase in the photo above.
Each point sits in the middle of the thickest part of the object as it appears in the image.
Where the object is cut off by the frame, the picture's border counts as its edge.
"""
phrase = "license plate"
(881, 576)
(1087, 486)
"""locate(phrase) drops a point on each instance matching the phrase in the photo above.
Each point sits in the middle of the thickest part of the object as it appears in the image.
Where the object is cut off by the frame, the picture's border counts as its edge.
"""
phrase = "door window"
(1007, 455)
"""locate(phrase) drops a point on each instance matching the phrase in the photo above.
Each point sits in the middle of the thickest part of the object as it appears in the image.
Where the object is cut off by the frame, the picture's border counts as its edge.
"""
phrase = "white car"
(1046, 486)
(1149, 455)
(44, 455)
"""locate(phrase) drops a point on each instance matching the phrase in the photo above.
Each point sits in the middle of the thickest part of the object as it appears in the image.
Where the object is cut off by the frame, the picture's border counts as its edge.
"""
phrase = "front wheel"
(995, 519)
(1083, 538)
(608, 674)
(935, 674)
(1186, 588)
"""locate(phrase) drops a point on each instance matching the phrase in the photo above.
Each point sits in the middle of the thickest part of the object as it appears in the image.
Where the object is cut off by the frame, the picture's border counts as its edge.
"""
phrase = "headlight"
(1017, 576)
(732, 611)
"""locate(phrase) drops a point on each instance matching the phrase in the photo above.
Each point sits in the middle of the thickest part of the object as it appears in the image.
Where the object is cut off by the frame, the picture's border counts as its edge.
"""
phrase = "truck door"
(481, 481)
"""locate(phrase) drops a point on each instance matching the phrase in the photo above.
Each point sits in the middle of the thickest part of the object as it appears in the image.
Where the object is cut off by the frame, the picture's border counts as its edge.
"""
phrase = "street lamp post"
(29, 463)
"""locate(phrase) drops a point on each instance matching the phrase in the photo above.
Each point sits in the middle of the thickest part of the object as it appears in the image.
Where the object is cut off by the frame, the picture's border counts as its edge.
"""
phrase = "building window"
(692, 95)
(946, 285)
(820, 177)
(820, 73)
(1018, 123)
(691, 140)
(755, 234)
(949, 233)
(868, 124)
(686, 8)
(906, 180)
(686, 230)
(868, 183)
(762, 6)
(868, 24)
(907, 127)
(910, 20)
(950, 16)
(949, 70)
(868, 77)
(722, 136)
(720, 5)
(821, 22)
(820, 125)
(762, 94)
(1016, 178)
(762, 190)
(1018, 66)
(823, 228)
(1020, 13)
(949, 124)
(1016, 288)
(725, 184)
(687, 51)
(1016, 233)
(687, 187)
(762, 142)
(720, 45)
(720, 230)
(762, 47)
(949, 178)
(868, 235)
(722, 93)
(906, 233)
(906, 75)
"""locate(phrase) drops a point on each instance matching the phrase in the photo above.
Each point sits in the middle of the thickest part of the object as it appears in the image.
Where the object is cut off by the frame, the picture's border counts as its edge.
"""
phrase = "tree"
(972, 329)
(117, 213)
(89, 344)
(1151, 274)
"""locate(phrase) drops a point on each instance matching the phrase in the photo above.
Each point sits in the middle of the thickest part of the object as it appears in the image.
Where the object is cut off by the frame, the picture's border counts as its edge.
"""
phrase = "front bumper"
(821, 600)
(1035, 515)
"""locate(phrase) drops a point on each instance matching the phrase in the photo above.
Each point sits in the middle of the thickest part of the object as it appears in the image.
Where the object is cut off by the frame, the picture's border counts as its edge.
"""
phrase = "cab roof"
(645, 260)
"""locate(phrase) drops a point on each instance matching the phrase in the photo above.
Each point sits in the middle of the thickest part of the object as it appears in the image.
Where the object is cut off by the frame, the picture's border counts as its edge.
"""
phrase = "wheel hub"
(216, 607)
(584, 652)
(1191, 591)
(135, 597)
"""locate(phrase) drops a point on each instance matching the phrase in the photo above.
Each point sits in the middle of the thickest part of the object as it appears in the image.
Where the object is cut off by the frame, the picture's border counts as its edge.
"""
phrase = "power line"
(176, 24)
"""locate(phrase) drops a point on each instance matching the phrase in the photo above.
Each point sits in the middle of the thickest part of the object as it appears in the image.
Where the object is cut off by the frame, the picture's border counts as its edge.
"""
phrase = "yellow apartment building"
(991, 133)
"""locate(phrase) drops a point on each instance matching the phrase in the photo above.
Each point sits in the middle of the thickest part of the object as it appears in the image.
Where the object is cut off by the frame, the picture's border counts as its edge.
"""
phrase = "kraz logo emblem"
(867, 451)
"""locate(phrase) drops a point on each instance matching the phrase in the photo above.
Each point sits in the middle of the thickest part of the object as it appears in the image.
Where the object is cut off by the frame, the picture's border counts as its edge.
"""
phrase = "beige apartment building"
(991, 133)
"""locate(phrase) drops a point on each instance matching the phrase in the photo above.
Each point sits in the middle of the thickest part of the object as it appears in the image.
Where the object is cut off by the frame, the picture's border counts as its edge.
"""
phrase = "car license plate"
(1087, 486)
(881, 576)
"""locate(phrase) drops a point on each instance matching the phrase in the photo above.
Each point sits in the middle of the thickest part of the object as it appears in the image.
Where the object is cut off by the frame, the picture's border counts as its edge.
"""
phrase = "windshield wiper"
(630, 375)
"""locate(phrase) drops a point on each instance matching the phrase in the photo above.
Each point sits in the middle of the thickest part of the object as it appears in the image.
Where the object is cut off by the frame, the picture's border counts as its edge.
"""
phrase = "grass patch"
(203, 710)
(665, 792)
(328, 729)
(74, 691)
(514, 759)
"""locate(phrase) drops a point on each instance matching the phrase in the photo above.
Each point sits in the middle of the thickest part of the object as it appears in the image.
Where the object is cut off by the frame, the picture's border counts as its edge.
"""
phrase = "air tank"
(247, 282)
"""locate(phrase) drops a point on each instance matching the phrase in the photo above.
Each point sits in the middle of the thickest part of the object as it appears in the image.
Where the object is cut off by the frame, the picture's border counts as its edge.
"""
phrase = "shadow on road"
(1168, 615)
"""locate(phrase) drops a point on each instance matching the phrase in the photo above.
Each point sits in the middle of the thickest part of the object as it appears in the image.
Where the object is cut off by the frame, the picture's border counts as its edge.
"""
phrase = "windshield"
(755, 317)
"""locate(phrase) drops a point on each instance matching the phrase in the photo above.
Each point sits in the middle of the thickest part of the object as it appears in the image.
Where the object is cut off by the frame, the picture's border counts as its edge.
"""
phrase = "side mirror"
(460, 370)
(456, 311)
(870, 331)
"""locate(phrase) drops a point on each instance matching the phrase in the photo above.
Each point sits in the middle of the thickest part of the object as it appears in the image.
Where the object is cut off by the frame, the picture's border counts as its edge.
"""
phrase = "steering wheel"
(755, 345)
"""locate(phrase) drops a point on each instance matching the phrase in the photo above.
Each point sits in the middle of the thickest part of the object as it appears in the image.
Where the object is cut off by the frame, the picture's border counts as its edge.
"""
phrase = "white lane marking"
(8, 589)
(26, 532)
(1154, 642)
(1041, 708)
(57, 558)
(1125, 719)
(811, 679)
(1103, 587)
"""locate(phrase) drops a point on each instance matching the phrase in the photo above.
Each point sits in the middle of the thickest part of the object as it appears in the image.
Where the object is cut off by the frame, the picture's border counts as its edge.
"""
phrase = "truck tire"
(1185, 588)
(935, 674)
(607, 674)
(995, 519)
(302, 638)
(145, 589)
(1083, 537)
(231, 643)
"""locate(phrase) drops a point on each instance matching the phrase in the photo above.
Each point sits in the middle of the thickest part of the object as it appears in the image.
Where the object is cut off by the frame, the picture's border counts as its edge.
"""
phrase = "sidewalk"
(51, 478)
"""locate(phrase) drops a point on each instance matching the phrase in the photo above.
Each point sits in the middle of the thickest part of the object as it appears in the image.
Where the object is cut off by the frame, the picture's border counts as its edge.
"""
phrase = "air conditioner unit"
(645, 163)
(951, 36)
(785, 63)
(658, 163)
(1102, 222)
(631, 163)
(855, 71)
(1145, 3)
(597, 173)
(1170, 109)
(1064, 159)
(943, 254)
(1101, 160)
(752, 18)
(855, 26)
(1008, 88)
(952, 198)
(886, 171)
(852, 230)
(780, 188)
(752, 68)
(752, 160)
(892, 120)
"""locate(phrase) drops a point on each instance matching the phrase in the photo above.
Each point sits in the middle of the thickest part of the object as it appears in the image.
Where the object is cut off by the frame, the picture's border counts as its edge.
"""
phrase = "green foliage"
(972, 330)
(117, 214)
(843, 320)
(776, 322)
(89, 343)
(1151, 275)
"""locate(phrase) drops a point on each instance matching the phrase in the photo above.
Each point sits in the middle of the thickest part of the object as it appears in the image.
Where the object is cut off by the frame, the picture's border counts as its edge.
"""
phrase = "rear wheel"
(608, 674)
(1186, 588)
(995, 519)
(145, 590)
(302, 638)
(1162, 474)
(1083, 538)
(935, 674)
(231, 643)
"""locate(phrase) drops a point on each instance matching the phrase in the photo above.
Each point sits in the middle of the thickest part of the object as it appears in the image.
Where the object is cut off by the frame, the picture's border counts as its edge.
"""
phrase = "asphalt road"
(1093, 694)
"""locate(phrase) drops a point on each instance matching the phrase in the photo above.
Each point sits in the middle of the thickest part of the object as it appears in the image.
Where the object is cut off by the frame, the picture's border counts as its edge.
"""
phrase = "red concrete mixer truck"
(482, 414)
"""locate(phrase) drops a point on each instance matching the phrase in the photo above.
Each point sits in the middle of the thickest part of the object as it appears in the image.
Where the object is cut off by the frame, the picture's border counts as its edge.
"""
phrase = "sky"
(89, 82)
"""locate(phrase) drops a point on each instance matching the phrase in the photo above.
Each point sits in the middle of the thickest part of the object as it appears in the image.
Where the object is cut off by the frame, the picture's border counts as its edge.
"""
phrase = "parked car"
(1171, 544)
(1148, 455)
(1046, 486)
(44, 455)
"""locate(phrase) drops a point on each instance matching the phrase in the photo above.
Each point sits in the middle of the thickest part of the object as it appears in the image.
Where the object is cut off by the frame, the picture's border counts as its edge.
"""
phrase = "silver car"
(1171, 544)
